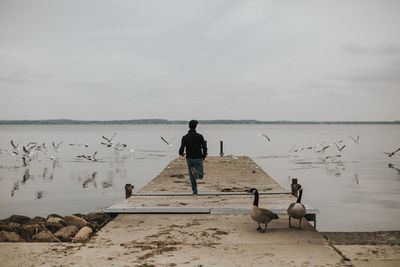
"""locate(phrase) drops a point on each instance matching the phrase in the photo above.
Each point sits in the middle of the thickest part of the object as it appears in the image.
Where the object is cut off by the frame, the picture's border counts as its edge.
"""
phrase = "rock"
(14, 226)
(91, 226)
(80, 215)
(54, 226)
(45, 236)
(83, 235)
(65, 234)
(28, 230)
(56, 220)
(96, 218)
(10, 237)
(55, 215)
(74, 220)
(37, 219)
(5, 227)
(19, 219)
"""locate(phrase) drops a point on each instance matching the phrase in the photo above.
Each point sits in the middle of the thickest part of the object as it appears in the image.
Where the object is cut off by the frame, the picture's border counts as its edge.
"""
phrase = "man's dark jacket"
(196, 147)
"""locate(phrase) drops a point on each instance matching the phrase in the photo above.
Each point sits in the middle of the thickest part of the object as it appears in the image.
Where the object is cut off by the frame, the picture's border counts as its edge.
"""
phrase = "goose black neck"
(255, 202)
(300, 195)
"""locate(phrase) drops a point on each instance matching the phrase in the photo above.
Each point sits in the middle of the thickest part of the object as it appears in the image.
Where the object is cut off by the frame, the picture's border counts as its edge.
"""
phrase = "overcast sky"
(265, 60)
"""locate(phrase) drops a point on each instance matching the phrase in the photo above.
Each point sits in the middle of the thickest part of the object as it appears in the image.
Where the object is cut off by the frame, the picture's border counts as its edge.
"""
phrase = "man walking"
(196, 152)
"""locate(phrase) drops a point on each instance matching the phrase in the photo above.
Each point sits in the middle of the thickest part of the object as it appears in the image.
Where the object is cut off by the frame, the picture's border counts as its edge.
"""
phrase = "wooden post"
(128, 190)
(295, 187)
(221, 148)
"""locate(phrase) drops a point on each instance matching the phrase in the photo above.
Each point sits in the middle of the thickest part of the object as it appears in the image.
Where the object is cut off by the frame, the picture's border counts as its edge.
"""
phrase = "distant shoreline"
(162, 121)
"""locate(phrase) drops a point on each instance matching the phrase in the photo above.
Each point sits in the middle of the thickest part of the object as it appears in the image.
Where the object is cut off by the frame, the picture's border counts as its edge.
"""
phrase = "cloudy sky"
(208, 59)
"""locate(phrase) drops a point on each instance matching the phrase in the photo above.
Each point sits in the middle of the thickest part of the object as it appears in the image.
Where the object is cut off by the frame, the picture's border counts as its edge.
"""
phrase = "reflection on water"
(356, 180)
(68, 169)
(90, 180)
(39, 194)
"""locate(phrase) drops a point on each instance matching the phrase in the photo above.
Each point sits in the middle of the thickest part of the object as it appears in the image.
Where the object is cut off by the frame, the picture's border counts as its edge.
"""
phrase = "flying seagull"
(57, 147)
(339, 148)
(324, 147)
(15, 150)
(109, 140)
(165, 141)
(264, 135)
(390, 165)
(80, 145)
(355, 140)
(391, 154)
(119, 146)
(14, 145)
(91, 158)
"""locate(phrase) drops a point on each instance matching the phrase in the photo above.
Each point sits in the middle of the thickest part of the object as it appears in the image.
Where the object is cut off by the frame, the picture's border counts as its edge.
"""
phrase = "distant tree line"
(162, 121)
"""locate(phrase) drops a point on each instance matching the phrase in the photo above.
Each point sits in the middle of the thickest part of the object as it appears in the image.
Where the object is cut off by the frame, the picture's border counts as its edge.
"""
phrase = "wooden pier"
(222, 191)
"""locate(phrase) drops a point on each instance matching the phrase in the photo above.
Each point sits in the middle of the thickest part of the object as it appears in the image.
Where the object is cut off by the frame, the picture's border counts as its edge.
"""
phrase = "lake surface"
(358, 191)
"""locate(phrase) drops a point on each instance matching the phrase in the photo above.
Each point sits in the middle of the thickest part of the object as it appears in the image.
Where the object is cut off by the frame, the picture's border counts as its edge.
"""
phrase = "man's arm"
(204, 148)
(182, 148)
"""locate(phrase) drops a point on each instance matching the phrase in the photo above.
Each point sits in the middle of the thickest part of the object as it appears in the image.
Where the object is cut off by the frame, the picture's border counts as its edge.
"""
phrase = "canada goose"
(261, 215)
(297, 210)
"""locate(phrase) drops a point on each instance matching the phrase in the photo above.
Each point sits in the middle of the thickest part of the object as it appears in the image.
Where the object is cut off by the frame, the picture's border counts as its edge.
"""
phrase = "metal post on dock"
(128, 190)
(295, 187)
(221, 148)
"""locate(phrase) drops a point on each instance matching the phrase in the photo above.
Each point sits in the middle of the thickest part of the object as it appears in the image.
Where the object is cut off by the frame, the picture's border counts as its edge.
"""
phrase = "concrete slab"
(194, 240)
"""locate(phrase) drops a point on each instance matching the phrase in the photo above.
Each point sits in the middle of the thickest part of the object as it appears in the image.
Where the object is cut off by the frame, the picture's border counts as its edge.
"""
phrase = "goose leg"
(259, 227)
(265, 229)
(289, 222)
(300, 223)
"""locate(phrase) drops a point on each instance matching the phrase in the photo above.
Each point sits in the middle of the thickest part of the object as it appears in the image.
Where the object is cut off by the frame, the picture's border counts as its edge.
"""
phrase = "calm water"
(355, 192)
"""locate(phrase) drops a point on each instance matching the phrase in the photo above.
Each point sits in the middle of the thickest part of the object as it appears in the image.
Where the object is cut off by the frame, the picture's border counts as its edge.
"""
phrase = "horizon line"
(209, 121)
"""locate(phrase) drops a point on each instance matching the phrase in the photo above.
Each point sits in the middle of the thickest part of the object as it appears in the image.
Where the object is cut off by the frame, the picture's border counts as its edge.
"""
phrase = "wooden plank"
(191, 210)
(157, 210)
(221, 173)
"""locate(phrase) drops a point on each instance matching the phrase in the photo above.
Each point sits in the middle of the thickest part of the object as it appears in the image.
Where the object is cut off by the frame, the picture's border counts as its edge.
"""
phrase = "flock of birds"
(321, 148)
(37, 151)
(330, 154)
(31, 150)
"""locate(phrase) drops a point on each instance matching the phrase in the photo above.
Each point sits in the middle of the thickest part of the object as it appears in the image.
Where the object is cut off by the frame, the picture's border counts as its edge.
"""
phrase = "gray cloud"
(207, 59)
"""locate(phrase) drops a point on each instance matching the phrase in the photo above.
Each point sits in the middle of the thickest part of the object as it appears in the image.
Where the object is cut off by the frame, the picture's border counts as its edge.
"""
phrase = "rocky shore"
(363, 238)
(76, 228)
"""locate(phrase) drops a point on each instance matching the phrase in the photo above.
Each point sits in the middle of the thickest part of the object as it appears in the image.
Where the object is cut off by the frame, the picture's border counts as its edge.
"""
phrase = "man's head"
(193, 124)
